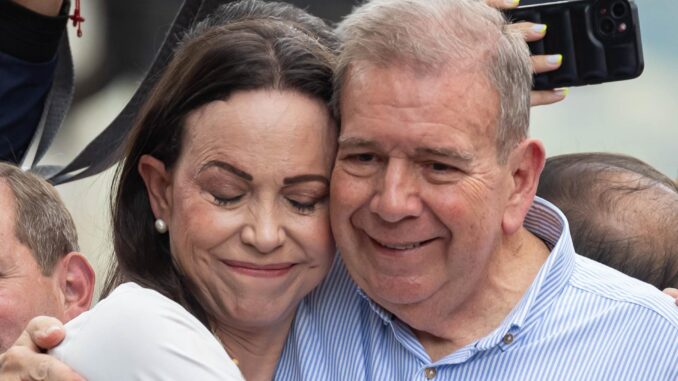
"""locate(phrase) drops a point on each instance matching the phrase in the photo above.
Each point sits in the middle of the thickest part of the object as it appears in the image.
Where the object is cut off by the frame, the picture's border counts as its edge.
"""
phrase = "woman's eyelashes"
(227, 200)
(302, 205)
(306, 206)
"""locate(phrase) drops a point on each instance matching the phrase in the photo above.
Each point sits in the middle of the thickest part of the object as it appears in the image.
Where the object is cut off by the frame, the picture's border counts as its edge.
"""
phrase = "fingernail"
(563, 92)
(512, 3)
(554, 59)
(539, 28)
(50, 330)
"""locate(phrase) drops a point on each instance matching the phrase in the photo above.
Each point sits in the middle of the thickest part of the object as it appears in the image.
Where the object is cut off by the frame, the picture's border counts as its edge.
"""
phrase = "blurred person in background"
(41, 271)
(621, 211)
(30, 32)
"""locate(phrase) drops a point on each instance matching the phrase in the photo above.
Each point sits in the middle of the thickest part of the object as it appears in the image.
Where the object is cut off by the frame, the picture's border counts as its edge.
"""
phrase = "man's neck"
(443, 329)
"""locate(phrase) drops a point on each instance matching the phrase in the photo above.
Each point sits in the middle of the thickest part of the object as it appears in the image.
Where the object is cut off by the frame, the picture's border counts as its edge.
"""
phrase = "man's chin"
(393, 291)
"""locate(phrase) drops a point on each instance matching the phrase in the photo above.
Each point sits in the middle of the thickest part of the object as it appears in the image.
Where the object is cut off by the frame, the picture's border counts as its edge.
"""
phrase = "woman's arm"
(138, 334)
(134, 334)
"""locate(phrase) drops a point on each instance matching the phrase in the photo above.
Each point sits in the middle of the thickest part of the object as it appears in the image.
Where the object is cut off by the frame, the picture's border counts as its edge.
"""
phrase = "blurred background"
(121, 37)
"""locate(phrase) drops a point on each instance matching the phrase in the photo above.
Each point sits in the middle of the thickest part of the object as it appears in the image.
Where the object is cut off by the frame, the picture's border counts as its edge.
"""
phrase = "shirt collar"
(548, 223)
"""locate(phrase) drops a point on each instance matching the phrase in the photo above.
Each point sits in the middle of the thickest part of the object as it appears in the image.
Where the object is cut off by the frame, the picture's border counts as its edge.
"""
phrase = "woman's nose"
(265, 234)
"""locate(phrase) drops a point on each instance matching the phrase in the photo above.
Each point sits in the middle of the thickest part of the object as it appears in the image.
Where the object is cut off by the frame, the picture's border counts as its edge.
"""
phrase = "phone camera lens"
(618, 10)
(607, 26)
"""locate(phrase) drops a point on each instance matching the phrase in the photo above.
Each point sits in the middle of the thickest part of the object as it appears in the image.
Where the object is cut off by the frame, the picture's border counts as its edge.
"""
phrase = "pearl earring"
(160, 226)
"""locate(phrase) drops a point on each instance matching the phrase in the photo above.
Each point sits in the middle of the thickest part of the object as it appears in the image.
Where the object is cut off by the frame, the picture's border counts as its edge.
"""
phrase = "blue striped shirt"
(579, 320)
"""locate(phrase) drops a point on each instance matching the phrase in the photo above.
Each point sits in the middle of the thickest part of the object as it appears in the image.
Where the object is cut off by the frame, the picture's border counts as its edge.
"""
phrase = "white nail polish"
(554, 59)
(539, 28)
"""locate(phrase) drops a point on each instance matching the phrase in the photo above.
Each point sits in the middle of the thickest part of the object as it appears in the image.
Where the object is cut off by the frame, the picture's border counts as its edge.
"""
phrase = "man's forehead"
(446, 102)
(402, 86)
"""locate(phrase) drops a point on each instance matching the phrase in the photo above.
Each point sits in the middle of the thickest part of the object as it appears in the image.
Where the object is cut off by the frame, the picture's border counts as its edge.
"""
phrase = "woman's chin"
(262, 314)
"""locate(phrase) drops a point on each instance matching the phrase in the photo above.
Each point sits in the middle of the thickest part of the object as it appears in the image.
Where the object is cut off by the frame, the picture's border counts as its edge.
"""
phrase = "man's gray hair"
(432, 35)
(43, 223)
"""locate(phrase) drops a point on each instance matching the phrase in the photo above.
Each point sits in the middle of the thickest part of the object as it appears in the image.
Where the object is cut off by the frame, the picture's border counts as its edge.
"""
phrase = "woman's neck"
(255, 350)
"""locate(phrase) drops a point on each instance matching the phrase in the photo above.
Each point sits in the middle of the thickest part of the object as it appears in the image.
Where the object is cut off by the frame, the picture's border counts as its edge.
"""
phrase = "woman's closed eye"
(223, 200)
(304, 206)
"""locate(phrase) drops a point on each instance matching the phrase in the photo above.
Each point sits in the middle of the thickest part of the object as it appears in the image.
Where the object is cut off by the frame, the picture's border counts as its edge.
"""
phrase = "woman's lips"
(258, 270)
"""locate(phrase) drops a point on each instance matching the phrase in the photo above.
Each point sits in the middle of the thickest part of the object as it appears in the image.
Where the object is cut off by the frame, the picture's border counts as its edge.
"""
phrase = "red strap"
(77, 19)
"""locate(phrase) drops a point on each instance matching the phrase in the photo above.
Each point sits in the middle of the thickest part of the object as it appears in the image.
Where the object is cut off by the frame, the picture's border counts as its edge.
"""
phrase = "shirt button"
(430, 373)
(508, 339)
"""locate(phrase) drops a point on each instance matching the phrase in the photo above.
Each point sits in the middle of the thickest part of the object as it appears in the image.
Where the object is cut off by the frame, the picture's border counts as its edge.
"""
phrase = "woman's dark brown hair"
(244, 45)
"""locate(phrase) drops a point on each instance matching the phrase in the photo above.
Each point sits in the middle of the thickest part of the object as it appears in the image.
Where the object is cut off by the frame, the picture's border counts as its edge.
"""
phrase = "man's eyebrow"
(305, 178)
(227, 167)
(354, 142)
(443, 152)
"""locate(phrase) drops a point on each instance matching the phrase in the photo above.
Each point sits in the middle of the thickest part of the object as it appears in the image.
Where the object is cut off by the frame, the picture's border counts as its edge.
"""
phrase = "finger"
(19, 363)
(673, 292)
(503, 4)
(42, 333)
(547, 97)
(530, 31)
(546, 63)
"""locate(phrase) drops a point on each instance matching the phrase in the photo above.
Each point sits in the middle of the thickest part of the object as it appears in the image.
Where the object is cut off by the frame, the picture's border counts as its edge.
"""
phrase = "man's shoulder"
(621, 294)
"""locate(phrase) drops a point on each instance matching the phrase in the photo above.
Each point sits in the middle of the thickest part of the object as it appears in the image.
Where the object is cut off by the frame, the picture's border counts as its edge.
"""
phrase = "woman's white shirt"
(138, 334)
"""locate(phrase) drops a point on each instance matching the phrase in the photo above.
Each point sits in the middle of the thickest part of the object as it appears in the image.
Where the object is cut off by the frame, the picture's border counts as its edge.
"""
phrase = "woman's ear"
(158, 182)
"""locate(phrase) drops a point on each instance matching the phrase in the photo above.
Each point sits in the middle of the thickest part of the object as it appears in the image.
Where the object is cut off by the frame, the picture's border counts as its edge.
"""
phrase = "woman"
(220, 215)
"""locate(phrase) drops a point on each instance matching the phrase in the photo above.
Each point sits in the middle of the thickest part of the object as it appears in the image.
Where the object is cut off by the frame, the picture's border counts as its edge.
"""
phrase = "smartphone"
(599, 40)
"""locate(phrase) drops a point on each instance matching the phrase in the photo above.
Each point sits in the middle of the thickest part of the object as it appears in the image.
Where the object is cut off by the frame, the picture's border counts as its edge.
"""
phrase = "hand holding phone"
(599, 40)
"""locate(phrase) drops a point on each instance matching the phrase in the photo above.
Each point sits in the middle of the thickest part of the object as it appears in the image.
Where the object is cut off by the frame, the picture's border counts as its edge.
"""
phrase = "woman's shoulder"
(137, 333)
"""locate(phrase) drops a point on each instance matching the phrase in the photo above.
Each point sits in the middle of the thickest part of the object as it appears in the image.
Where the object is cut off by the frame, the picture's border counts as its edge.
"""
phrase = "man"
(622, 212)
(41, 272)
(461, 274)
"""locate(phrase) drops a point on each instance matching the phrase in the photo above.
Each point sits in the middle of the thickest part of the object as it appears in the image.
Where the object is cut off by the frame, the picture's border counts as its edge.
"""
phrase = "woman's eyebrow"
(227, 167)
(305, 178)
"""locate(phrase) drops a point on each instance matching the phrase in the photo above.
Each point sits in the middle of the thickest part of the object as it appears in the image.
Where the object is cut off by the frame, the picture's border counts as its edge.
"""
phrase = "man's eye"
(226, 201)
(361, 157)
(441, 167)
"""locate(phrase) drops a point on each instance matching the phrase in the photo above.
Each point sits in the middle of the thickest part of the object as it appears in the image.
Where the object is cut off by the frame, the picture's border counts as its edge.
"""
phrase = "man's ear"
(158, 185)
(525, 162)
(76, 281)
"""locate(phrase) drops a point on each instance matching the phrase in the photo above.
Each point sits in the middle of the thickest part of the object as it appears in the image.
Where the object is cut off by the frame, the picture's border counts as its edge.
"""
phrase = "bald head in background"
(622, 212)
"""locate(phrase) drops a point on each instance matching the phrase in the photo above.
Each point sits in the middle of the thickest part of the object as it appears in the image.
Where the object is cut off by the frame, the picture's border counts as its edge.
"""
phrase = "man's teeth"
(403, 246)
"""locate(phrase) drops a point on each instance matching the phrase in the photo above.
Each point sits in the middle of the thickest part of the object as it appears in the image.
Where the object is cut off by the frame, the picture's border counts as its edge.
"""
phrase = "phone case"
(599, 40)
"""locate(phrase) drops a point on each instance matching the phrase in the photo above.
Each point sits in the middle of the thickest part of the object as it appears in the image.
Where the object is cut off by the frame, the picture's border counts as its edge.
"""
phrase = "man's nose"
(265, 232)
(397, 197)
